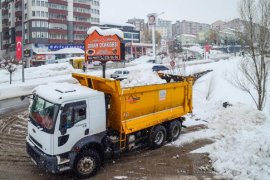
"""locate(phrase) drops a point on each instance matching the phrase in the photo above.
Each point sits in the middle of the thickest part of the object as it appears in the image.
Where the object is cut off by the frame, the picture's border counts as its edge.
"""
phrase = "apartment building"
(189, 27)
(130, 33)
(47, 22)
(164, 27)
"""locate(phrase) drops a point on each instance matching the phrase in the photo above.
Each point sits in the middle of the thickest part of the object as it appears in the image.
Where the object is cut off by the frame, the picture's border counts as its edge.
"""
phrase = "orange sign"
(103, 48)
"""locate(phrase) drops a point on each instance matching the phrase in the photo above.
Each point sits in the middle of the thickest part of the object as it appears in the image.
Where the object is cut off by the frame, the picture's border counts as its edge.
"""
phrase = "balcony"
(18, 13)
(79, 14)
(4, 12)
(61, 21)
(58, 11)
(87, 6)
(57, 31)
(18, 23)
(5, 21)
(18, 3)
(5, 29)
(58, 2)
(79, 32)
(4, 4)
(87, 24)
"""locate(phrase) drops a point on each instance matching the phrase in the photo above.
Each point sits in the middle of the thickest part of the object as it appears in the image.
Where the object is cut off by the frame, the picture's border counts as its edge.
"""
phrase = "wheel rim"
(159, 138)
(175, 131)
(86, 165)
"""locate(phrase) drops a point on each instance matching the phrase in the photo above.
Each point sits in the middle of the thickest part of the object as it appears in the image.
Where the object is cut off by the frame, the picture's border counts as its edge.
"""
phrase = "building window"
(38, 13)
(33, 13)
(34, 34)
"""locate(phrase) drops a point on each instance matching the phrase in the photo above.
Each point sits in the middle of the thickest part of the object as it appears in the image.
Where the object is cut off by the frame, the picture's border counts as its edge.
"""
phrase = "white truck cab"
(63, 119)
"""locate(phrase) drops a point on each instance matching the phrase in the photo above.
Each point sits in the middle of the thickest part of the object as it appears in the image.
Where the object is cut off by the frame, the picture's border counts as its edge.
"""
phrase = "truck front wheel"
(87, 163)
(157, 136)
(174, 130)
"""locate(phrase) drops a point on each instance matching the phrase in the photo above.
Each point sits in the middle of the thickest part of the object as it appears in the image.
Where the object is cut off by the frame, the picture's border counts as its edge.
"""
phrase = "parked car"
(159, 68)
(151, 61)
(120, 74)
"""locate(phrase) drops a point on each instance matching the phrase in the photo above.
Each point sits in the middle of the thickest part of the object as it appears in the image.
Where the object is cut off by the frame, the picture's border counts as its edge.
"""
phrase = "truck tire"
(157, 136)
(87, 163)
(174, 130)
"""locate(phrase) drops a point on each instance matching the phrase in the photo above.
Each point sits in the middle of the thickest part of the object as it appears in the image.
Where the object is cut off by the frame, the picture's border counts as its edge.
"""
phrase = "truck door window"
(74, 112)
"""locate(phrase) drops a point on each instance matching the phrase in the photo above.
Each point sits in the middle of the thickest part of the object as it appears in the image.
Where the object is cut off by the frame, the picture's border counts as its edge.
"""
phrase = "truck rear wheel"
(87, 164)
(157, 136)
(174, 130)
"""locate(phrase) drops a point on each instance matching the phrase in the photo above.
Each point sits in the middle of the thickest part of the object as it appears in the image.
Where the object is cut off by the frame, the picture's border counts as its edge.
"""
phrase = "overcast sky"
(204, 11)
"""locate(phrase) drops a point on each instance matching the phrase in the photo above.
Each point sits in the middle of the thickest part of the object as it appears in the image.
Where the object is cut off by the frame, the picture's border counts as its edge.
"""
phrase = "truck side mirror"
(63, 122)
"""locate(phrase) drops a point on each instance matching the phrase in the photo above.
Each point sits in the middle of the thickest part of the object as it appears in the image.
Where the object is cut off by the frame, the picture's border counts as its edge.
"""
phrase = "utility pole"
(154, 41)
(22, 40)
(152, 19)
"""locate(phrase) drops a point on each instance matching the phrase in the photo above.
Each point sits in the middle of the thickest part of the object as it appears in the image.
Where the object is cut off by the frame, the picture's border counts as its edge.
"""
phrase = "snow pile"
(196, 49)
(242, 148)
(142, 77)
(33, 77)
(142, 60)
(106, 32)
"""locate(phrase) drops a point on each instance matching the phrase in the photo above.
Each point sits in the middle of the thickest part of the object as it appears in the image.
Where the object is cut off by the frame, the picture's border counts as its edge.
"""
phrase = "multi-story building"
(189, 27)
(1, 40)
(95, 12)
(218, 25)
(130, 34)
(138, 23)
(164, 27)
(47, 22)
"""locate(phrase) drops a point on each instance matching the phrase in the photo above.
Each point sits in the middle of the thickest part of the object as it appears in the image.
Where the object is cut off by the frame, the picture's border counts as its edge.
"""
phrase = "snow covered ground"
(241, 146)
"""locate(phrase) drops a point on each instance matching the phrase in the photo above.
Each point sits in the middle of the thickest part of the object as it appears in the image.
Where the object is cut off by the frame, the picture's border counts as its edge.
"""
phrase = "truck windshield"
(43, 113)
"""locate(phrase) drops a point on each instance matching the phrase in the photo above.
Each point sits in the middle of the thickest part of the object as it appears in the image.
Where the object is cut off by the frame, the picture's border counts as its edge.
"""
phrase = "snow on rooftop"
(60, 92)
(117, 24)
(106, 32)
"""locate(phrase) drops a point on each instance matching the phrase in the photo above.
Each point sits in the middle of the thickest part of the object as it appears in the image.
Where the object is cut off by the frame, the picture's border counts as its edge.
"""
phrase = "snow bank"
(142, 60)
(50, 70)
(33, 77)
(106, 32)
(242, 147)
(142, 77)
(196, 49)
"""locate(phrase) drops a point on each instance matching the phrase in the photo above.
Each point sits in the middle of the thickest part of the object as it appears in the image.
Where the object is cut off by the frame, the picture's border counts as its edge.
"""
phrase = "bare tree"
(9, 65)
(255, 36)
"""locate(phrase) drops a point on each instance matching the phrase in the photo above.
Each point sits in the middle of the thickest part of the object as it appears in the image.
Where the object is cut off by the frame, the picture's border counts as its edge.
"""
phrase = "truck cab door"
(73, 126)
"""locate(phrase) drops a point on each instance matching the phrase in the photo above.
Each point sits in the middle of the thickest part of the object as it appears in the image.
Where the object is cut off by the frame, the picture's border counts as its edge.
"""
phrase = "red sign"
(18, 47)
(103, 48)
(207, 47)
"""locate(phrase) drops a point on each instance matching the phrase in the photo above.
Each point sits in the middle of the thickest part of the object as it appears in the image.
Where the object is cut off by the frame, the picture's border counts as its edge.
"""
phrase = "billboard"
(103, 48)
(18, 47)
(151, 19)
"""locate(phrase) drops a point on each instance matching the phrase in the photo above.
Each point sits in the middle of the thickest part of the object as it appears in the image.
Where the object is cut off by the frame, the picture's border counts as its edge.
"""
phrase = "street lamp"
(23, 79)
(152, 22)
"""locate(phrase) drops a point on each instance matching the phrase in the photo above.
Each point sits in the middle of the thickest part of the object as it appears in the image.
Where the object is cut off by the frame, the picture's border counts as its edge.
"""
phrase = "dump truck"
(78, 126)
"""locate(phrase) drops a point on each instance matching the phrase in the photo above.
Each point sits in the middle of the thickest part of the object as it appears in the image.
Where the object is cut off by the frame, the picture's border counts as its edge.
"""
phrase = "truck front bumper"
(44, 161)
